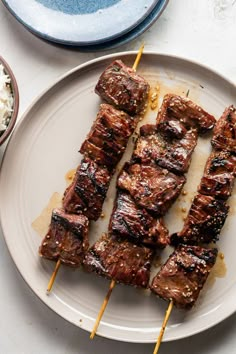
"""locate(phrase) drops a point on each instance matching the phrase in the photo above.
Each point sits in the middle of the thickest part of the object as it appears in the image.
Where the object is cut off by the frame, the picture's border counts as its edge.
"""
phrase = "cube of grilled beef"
(66, 239)
(120, 86)
(134, 223)
(168, 152)
(204, 221)
(88, 190)
(224, 134)
(176, 108)
(184, 274)
(108, 137)
(218, 178)
(121, 261)
(152, 187)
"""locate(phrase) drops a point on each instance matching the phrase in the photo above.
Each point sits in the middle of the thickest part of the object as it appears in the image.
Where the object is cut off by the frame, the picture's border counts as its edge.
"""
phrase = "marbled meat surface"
(109, 135)
(224, 134)
(128, 221)
(204, 221)
(176, 109)
(184, 274)
(219, 174)
(120, 260)
(88, 190)
(169, 152)
(120, 86)
(66, 239)
(152, 187)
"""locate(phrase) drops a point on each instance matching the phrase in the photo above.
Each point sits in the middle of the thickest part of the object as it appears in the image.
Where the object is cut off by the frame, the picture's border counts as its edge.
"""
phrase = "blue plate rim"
(88, 46)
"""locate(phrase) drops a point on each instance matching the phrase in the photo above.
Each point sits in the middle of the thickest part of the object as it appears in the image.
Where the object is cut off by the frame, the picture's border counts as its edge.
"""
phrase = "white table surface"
(203, 30)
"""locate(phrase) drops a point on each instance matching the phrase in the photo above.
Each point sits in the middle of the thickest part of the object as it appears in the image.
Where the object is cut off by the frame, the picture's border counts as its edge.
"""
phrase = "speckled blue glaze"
(75, 7)
(61, 28)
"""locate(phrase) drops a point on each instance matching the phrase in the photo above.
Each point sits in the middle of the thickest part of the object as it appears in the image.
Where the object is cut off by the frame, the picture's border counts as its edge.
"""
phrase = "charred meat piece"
(108, 136)
(134, 223)
(121, 261)
(88, 190)
(218, 178)
(204, 222)
(176, 109)
(152, 187)
(184, 274)
(67, 238)
(120, 86)
(224, 134)
(170, 153)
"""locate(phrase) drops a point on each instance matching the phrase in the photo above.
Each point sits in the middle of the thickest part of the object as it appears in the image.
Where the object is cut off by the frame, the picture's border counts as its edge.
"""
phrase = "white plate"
(44, 147)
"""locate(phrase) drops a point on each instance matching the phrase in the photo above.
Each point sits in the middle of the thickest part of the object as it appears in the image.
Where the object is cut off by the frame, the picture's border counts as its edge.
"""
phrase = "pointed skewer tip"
(138, 57)
(53, 277)
(102, 309)
(163, 327)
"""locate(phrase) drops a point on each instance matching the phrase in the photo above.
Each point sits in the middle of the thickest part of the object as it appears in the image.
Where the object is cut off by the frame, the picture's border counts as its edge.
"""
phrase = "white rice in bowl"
(6, 100)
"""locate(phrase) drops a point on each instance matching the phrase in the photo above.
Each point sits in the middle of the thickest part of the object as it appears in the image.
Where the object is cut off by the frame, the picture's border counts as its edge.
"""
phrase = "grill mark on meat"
(204, 222)
(88, 190)
(184, 110)
(66, 239)
(224, 135)
(168, 152)
(151, 186)
(184, 274)
(128, 221)
(121, 261)
(219, 173)
(120, 86)
(108, 136)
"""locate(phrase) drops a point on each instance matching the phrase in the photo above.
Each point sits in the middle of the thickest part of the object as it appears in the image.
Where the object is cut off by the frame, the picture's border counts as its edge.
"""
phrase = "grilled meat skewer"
(209, 210)
(83, 199)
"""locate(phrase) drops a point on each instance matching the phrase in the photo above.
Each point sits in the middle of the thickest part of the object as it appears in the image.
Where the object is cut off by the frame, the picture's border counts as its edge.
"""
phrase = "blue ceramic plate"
(142, 27)
(80, 22)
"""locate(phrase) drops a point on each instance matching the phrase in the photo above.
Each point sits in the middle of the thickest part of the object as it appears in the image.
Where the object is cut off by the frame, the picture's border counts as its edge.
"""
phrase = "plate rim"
(15, 132)
(109, 41)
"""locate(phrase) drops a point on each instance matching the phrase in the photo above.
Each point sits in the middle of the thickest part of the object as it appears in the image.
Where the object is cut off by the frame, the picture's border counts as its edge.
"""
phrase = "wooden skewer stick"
(53, 277)
(102, 309)
(159, 339)
(54, 274)
(113, 283)
(138, 57)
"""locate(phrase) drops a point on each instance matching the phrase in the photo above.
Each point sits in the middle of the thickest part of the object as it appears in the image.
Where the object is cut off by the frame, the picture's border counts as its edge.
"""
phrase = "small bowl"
(15, 108)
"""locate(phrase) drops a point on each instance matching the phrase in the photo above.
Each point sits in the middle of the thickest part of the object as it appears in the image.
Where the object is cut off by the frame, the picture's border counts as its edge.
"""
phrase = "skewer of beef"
(67, 238)
(183, 275)
(209, 208)
(147, 187)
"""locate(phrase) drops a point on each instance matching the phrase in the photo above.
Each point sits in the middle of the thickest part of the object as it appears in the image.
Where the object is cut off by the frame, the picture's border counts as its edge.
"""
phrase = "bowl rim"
(15, 92)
